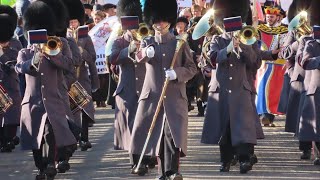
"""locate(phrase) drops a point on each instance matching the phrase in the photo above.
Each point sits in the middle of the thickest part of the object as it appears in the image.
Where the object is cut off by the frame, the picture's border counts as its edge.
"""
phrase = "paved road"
(278, 158)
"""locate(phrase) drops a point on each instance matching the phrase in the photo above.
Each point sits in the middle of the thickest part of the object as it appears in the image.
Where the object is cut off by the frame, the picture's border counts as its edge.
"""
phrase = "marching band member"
(235, 130)
(168, 140)
(43, 118)
(270, 74)
(131, 79)
(309, 121)
(89, 83)
(9, 48)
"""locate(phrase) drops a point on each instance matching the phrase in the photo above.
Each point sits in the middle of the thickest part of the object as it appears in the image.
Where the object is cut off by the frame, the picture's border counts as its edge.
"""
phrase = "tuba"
(206, 25)
(53, 46)
(300, 24)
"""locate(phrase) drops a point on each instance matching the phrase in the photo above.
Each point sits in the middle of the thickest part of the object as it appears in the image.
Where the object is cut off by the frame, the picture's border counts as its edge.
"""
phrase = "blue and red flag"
(129, 22)
(316, 32)
(37, 36)
(83, 31)
(232, 24)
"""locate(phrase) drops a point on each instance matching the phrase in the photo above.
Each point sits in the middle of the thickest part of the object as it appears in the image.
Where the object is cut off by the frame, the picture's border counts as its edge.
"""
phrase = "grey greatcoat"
(88, 82)
(130, 83)
(42, 100)
(10, 82)
(235, 96)
(309, 128)
(175, 105)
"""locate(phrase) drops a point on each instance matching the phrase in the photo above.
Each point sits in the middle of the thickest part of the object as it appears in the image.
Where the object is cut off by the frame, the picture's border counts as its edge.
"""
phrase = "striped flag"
(232, 23)
(316, 32)
(37, 36)
(83, 31)
(129, 22)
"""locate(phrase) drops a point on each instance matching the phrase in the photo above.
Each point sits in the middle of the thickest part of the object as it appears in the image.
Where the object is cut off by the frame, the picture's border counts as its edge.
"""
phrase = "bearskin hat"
(302, 5)
(314, 13)
(129, 8)
(231, 8)
(292, 11)
(39, 15)
(155, 11)
(61, 14)
(11, 12)
(76, 10)
(7, 32)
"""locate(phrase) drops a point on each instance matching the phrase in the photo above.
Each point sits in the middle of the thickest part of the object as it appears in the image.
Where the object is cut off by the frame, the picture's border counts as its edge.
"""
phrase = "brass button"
(230, 78)
(44, 99)
(137, 78)
(231, 65)
(164, 97)
(135, 65)
(138, 92)
(230, 91)
(163, 54)
(42, 86)
(41, 74)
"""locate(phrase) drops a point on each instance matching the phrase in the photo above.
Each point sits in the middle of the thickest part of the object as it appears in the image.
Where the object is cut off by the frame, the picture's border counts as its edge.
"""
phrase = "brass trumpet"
(142, 32)
(248, 35)
(300, 23)
(53, 46)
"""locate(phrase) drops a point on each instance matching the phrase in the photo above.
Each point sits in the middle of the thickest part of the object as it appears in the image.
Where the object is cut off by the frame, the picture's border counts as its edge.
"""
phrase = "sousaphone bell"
(300, 23)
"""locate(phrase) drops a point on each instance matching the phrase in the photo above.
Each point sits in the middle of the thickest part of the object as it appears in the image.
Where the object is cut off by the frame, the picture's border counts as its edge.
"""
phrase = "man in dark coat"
(9, 49)
(168, 140)
(131, 79)
(43, 118)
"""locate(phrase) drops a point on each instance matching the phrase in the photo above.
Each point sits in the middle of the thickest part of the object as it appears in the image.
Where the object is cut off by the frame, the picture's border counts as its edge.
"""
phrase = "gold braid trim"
(273, 30)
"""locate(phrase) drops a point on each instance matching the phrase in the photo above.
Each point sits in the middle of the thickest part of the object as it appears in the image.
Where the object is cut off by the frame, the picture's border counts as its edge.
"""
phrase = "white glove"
(171, 74)
(230, 47)
(150, 52)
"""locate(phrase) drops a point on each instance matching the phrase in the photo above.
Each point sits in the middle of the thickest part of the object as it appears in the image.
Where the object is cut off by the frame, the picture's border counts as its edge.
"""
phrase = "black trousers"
(7, 133)
(46, 154)
(85, 127)
(227, 151)
(269, 116)
(307, 145)
(102, 93)
(169, 155)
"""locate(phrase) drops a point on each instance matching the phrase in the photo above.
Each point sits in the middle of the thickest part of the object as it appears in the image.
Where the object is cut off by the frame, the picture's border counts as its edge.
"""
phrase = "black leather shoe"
(225, 167)
(253, 159)
(16, 140)
(89, 145)
(6, 148)
(63, 166)
(234, 161)
(175, 176)
(50, 172)
(316, 162)
(245, 167)
(306, 154)
(161, 178)
(152, 163)
(83, 146)
(141, 171)
(40, 175)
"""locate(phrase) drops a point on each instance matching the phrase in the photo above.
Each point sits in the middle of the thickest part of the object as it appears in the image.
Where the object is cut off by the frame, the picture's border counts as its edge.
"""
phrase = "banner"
(184, 3)
(8, 2)
(99, 35)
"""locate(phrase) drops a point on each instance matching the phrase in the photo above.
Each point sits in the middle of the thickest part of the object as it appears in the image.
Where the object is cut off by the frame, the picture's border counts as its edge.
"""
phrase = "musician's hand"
(133, 46)
(37, 57)
(171, 74)
(80, 49)
(276, 51)
(150, 52)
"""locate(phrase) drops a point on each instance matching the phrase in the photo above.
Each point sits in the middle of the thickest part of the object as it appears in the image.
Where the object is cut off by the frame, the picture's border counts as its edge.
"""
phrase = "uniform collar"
(161, 39)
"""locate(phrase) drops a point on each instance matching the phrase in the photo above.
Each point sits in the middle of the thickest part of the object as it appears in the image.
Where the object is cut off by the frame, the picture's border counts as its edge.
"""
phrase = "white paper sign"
(102, 2)
(184, 3)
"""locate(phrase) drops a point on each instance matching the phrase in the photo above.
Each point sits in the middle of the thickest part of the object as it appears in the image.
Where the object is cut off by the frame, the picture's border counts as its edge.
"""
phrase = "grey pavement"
(279, 157)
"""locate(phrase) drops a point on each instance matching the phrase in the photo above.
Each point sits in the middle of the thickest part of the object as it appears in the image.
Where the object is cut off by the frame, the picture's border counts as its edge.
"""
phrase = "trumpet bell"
(53, 46)
(248, 35)
(203, 25)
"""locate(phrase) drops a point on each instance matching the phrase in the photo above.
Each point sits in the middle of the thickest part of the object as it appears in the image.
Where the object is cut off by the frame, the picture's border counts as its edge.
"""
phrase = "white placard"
(102, 2)
(285, 4)
(184, 3)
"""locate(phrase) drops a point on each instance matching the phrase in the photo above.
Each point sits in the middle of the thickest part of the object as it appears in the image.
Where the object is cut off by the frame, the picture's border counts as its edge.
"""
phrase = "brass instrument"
(78, 97)
(300, 24)
(248, 35)
(205, 49)
(142, 32)
(5, 101)
(206, 25)
(53, 46)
